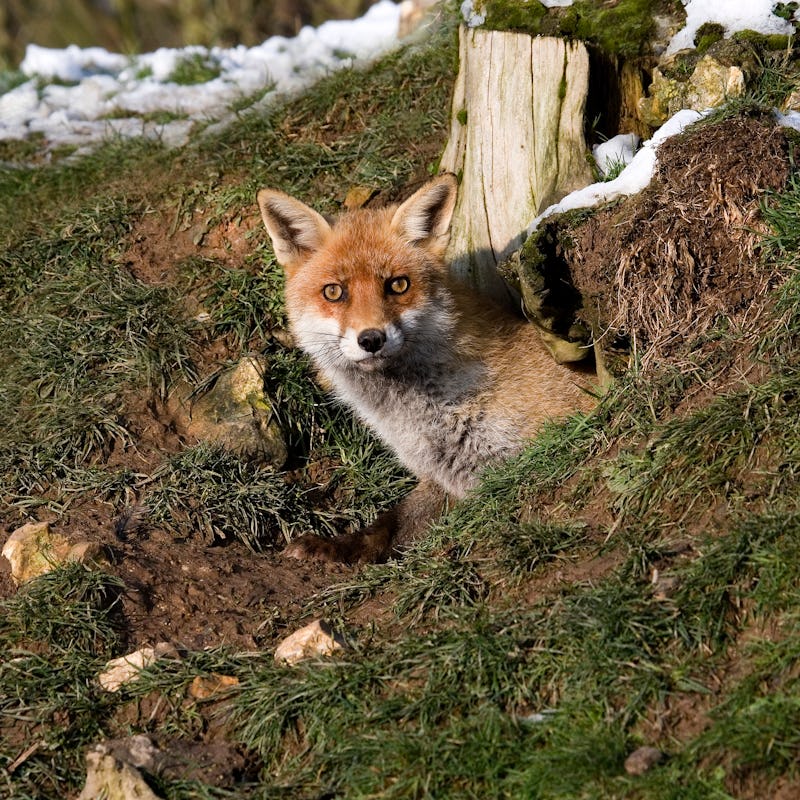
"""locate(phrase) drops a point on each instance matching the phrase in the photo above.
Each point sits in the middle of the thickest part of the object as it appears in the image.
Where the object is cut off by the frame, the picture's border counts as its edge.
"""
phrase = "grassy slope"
(442, 699)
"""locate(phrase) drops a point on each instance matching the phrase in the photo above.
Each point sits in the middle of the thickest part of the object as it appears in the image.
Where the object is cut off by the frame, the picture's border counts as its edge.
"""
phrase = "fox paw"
(314, 548)
(367, 546)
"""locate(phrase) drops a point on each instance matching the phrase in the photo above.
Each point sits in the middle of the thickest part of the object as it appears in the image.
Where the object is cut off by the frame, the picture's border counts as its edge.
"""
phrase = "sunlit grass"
(524, 646)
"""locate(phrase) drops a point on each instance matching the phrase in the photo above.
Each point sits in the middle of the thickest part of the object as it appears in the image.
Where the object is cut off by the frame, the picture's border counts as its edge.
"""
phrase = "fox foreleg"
(391, 533)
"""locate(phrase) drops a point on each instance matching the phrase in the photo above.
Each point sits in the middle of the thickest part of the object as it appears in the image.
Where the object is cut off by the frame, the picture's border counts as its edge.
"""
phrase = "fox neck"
(429, 402)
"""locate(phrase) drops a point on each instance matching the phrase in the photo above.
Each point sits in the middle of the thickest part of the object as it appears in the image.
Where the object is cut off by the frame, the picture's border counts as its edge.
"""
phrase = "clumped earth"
(686, 247)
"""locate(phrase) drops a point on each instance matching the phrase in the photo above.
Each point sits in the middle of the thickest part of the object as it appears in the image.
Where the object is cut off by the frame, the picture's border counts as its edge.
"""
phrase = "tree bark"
(516, 140)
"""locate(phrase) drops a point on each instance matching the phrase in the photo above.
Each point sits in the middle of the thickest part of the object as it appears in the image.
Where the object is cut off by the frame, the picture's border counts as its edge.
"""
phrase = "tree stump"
(516, 140)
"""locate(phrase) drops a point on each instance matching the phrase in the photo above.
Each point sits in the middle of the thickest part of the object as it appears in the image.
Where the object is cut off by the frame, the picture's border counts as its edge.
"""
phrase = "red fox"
(447, 380)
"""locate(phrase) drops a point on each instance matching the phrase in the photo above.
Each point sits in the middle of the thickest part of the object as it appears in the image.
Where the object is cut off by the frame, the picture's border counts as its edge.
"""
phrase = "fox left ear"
(295, 229)
(424, 219)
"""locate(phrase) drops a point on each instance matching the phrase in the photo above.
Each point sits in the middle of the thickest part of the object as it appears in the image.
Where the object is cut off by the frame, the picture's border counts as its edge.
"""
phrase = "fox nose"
(371, 340)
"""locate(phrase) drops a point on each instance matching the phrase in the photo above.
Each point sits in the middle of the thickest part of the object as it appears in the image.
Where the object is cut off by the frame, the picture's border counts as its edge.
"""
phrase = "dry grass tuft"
(664, 268)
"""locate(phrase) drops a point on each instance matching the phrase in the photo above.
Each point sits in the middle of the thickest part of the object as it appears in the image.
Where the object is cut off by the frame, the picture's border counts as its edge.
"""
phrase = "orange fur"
(449, 381)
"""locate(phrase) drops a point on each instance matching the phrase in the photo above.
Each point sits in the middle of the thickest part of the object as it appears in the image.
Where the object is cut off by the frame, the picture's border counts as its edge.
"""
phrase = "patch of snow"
(733, 15)
(73, 63)
(635, 177)
(788, 120)
(617, 150)
(472, 17)
(639, 172)
(106, 90)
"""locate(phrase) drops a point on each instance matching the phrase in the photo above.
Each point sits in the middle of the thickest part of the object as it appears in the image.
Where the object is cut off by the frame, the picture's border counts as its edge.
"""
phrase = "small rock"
(112, 779)
(205, 686)
(358, 197)
(120, 671)
(316, 639)
(713, 83)
(710, 85)
(85, 553)
(664, 586)
(34, 550)
(138, 751)
(538, 717)
(212, 762)
(643, 760)
(792, 102)
(283, 337)
(235, 414)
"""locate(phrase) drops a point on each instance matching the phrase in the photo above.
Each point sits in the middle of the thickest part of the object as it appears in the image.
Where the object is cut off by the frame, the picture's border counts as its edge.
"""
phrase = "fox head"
(360, 290)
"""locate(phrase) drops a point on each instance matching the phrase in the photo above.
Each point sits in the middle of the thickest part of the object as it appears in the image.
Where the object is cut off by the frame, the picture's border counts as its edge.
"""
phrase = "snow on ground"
(733, 15)
(617, 151)
(79, 96)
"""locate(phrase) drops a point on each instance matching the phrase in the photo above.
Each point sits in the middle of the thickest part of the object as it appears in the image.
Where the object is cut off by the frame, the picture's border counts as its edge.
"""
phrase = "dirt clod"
(661, 268)
(643, 760)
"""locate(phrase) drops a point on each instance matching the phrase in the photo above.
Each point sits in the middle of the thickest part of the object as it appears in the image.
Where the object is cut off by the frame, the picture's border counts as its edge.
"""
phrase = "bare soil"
(662, 267)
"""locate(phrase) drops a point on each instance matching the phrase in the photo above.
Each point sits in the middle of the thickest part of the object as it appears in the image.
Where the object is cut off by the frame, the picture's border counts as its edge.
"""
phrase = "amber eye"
(332, 292)
(398, 285)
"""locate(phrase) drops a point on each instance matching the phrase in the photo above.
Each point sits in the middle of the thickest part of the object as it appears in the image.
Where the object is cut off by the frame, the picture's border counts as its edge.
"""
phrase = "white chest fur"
(439, 425)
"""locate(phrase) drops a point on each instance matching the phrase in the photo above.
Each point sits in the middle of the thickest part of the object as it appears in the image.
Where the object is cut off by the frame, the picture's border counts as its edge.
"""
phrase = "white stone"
(110, 778)
(34, 550)
(643, 760)
(312, 641)
(124, 669)
(236, 414)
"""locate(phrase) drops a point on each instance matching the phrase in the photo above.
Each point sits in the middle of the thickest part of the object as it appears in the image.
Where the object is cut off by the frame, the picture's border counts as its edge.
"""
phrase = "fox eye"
(398, 285)
(332, 292)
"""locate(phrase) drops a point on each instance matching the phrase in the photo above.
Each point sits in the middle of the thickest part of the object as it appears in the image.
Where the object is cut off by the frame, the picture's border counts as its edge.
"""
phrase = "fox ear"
(424, 218)
(295, 229)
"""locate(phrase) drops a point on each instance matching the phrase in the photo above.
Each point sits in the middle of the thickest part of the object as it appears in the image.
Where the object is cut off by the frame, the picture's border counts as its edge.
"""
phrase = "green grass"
(78, 334)
(449, 707)
(195, 68)
(10, 79)
(81, 337)
(66, 378)
(241, 305)
(602, 653)
(609, 650)
(57, 633)
(485, 674)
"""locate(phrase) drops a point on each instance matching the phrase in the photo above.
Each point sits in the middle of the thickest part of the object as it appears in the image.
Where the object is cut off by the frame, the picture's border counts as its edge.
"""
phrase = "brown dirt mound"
(662, 267)
(157, 247)
(190, 593)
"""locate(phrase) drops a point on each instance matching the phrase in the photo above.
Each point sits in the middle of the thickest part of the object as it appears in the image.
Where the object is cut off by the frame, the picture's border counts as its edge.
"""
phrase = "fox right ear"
(295, 229)
(424, 219)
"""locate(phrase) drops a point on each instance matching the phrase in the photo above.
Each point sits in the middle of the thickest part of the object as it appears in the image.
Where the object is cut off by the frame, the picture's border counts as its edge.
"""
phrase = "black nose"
(371, 340)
